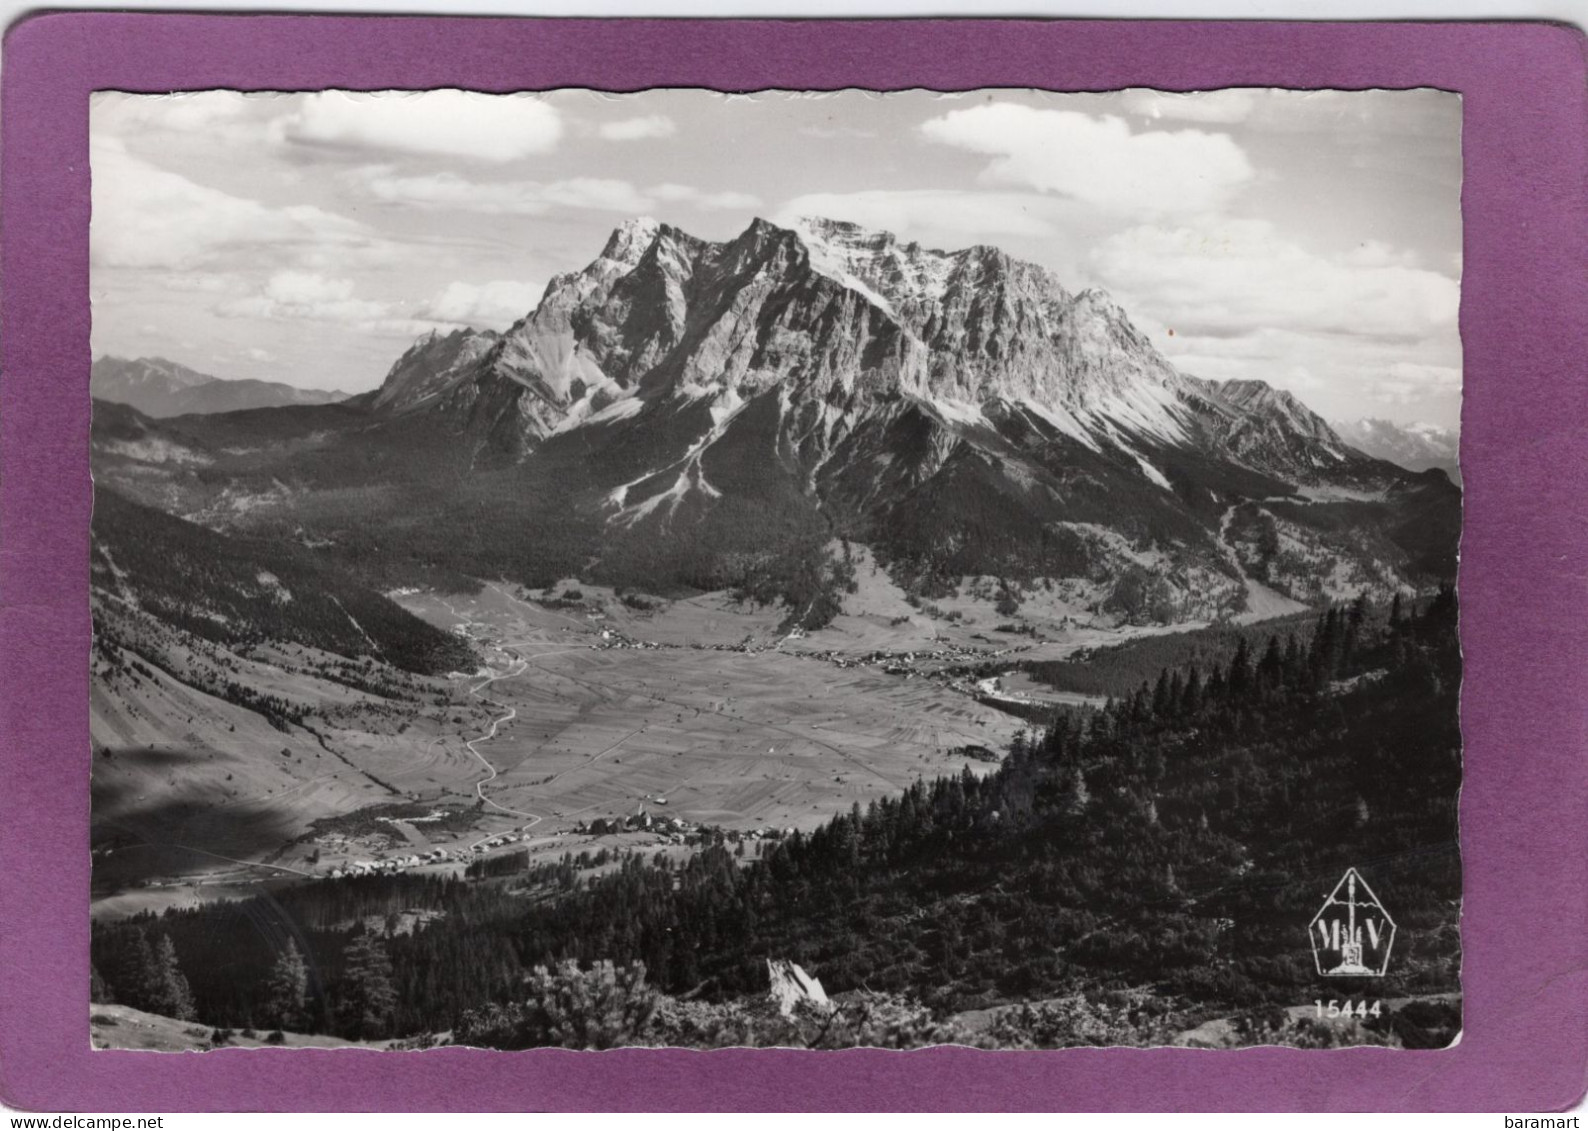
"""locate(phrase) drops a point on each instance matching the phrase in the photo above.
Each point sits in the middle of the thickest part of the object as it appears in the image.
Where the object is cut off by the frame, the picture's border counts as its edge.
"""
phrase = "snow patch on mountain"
(956, 412)
(1062, 419)
(1152, 472)
(904, 281)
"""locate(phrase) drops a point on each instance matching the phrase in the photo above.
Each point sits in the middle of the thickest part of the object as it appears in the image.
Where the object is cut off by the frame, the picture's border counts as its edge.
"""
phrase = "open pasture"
(724, 738)
(739, 739)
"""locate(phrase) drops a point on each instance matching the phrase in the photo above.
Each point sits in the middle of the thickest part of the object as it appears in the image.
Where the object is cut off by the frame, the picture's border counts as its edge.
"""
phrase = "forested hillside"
(1119, 669)
(1174, 845)
(238, 591)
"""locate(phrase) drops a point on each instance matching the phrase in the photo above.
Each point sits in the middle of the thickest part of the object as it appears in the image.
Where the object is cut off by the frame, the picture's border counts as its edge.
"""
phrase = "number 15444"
(1348, 1008)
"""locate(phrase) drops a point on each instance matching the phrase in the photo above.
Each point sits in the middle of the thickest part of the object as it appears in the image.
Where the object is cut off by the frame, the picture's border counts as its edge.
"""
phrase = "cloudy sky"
(1309, 239)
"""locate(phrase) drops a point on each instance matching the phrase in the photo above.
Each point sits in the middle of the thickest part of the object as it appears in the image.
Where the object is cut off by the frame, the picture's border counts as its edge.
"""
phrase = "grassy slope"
(122, 1027)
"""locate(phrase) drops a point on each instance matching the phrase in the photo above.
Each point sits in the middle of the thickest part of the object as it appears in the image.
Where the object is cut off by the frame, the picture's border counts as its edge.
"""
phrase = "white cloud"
(304, 288)
(308, 296)
(827, 132)
(144, 216)
(130, 114)
(710, 201)
(195, 282)
(305, 296)
(634, 129)
(1335, 375)
(935, 217)
(1409, 382)
(522, 198)
(1224, 107)
(197, 125)
(450, 191)
(446, 123)
(1227, 276)
(494, 305)
(1098, 160)
(1373, 253)
(602, 193)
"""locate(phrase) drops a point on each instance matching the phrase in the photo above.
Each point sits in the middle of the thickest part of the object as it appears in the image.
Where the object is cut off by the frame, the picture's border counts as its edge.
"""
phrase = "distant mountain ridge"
(161, 388)
(1414, 446)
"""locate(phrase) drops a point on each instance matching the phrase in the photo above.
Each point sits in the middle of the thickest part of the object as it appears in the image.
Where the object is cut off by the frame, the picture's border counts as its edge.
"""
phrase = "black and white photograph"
(791, 570)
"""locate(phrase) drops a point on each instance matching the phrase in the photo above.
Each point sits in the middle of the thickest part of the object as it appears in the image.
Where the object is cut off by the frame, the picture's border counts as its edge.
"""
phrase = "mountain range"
(157, 387)
(1414, 446)
(688, 414)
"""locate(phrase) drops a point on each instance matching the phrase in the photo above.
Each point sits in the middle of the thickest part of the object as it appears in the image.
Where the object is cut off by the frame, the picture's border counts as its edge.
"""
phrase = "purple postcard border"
(1524, 322)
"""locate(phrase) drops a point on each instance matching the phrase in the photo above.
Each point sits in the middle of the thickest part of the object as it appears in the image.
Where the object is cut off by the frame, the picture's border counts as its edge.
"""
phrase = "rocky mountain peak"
(630, 239)
(1255, 396)
(433, 364)
(842, 321)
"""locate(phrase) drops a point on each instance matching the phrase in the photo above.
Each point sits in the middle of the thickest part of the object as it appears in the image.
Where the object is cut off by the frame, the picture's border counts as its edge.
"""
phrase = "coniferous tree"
(1294, 663)
(170, 993)
(1271, 669)
(1191, 698)
(1240, 677)
(368, 996)
(137, 975)
(287, 990)
(98, 989)
(1217, 690)
(1325, 656)
(1160, 694)
(1079, 794)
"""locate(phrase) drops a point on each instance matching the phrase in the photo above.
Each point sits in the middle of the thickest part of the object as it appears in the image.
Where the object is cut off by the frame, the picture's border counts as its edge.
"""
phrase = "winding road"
(518, 666)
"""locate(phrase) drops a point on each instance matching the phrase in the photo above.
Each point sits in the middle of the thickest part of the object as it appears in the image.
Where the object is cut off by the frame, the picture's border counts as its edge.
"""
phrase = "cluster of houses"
(612, 638)
(992, 688)
(388, 865)
(895, 663)
(674, 830)
(498, 841)
(954, 654)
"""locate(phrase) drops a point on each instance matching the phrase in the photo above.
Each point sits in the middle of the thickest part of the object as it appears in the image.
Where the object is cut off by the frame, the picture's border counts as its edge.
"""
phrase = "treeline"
(354, 945)
(121, 636)
(1119, 669)
(1180, 839)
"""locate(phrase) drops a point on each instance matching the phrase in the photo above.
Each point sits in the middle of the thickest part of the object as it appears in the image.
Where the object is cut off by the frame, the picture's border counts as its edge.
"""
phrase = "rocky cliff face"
(965, 405)
(431, 367)
(832, 314)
